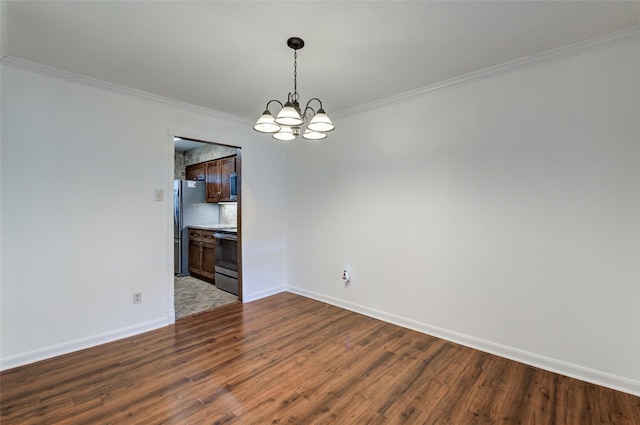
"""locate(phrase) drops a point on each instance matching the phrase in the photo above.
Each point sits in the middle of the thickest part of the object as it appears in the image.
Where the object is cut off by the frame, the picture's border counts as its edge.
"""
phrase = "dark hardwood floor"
(289, 359)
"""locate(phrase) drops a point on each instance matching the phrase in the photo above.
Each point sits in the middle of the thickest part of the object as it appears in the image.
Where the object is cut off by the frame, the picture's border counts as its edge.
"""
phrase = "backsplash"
(179, 167)
(207, 152)
(228, 213)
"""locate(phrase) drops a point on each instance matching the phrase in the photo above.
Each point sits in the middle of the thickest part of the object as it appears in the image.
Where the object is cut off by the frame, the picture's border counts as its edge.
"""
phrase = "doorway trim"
(171, 133)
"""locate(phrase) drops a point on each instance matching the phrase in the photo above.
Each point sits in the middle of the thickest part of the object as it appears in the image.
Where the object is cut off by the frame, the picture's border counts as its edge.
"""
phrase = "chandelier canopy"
(289, 121)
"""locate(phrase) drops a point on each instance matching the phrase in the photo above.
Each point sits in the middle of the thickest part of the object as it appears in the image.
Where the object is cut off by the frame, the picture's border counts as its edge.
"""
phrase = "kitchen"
(206, 248)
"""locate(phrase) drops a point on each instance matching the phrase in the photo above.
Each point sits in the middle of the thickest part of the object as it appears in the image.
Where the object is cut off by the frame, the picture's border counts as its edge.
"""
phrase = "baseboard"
(79, 344)
(171, 316)
(92, 341)
(553, 365)
(252, 296)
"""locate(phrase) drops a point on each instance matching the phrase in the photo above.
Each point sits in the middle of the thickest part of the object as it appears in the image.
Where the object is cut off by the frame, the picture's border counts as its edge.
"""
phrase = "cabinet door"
(196, 172)
(208, 254)
(208, 260)
(227, 168)
(213, 181)
(195, 257)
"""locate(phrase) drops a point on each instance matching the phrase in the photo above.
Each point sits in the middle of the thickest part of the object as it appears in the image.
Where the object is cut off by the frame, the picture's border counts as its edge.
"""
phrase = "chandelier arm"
(308, 108)
(273, 100)
(312, 99)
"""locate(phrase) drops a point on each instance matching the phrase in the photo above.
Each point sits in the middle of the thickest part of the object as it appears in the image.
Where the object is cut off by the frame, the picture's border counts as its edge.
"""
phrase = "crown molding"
(100, 84)
(554, 55)
(550, 56)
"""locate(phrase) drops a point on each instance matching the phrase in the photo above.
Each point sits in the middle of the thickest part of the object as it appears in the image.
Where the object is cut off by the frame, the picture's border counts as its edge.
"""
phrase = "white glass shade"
(321, 122)
(266, 124)
(313, 135)
(285, 134)
(288, 116)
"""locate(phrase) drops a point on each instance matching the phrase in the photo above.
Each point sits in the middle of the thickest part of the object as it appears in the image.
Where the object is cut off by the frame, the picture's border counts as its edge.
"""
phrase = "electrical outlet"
(346, 277)
(137, 297)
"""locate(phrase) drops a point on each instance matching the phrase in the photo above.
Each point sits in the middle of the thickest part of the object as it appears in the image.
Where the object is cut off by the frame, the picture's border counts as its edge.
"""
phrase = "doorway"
(207, 199)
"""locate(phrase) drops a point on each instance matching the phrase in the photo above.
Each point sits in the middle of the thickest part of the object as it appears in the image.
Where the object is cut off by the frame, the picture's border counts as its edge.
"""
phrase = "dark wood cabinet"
(196, 172)
(221, 179)
(213, 181)
(202, 256)
(209, 259)
(227, 179)
(195, 260)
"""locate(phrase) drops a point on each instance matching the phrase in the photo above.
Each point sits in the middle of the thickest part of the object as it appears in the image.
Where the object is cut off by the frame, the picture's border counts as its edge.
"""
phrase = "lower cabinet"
(202, 255)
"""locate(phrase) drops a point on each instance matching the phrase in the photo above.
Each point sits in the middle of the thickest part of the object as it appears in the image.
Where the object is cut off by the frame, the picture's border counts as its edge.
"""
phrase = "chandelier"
(289, 121)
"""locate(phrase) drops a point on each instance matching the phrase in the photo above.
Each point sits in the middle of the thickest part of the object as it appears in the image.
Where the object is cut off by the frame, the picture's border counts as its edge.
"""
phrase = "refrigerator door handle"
(177, 258)
(176, 212)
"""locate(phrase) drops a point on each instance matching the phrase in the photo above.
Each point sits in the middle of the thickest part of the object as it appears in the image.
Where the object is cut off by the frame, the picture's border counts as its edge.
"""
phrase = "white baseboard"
(171, 316)
(553, 365)
(252, 296)
(542, 362)
(92, 341)
(79, 344)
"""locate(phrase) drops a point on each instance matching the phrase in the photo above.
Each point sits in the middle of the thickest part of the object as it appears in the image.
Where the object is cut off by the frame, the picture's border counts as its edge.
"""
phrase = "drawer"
(195, 234)
(207, 236)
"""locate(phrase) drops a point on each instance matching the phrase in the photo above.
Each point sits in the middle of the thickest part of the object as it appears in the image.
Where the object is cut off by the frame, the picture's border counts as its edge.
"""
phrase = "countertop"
(212, 226)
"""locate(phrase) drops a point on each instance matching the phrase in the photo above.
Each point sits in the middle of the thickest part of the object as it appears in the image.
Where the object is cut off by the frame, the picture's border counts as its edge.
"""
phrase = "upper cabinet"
(221, 179)
(220, 176)
(196, 172)
(228, 179)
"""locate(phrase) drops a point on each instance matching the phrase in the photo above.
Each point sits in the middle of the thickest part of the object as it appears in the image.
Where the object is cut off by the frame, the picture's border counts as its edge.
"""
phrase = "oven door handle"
(225, 236)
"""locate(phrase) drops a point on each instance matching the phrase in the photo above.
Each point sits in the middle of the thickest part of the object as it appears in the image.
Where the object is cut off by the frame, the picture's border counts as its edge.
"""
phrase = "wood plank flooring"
(289, 359)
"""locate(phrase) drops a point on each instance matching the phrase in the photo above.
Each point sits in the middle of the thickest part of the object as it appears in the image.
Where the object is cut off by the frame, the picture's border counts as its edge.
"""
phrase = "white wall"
(4, 47)
(80, 228)
(503, 213)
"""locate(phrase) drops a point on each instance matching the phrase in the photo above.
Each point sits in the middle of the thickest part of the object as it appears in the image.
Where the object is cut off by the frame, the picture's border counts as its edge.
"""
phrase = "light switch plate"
(157, 195)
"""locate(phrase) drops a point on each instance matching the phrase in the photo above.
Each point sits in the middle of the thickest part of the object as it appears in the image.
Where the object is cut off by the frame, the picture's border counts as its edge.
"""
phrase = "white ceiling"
(232, 56)
(182, 145)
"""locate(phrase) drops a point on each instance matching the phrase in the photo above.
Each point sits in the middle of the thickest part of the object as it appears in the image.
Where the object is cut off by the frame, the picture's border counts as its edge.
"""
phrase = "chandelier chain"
(295, 74)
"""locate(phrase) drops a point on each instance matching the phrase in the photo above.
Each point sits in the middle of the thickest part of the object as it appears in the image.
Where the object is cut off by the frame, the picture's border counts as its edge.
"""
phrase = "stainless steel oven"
(226, 264)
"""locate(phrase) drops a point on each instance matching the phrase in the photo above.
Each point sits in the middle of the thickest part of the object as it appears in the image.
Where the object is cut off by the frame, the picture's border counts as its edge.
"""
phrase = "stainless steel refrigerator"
(190, 208)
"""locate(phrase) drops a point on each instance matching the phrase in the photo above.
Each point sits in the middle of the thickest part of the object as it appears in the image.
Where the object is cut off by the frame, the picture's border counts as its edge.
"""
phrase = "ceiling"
(232, 56)
(183, 145)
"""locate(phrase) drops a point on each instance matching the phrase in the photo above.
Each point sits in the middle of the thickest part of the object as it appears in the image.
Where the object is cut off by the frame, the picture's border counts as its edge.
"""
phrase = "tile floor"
(193, 296)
